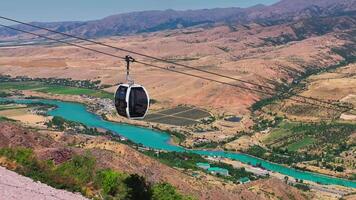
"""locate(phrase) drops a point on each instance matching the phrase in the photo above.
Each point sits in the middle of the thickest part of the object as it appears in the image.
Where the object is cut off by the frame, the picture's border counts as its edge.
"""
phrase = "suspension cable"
(164, 60)
(184, 73)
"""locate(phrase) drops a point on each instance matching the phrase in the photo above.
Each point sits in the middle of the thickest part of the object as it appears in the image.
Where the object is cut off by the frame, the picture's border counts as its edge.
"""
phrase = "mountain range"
(151, 21)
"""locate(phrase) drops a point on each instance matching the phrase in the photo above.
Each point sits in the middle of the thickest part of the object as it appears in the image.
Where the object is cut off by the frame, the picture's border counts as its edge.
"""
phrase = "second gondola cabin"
(132, 101)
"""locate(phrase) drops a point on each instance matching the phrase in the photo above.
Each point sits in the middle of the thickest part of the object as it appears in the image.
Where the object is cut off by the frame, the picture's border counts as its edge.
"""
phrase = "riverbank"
(159, 140)
(109, 154)
(325, 190)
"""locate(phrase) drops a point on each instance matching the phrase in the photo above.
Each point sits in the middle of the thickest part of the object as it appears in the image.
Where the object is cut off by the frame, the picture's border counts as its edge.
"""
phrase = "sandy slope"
(242, 53)
(16, 187)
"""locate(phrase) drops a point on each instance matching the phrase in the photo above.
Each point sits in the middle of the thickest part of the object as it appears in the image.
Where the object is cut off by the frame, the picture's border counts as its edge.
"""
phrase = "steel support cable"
(163, 60)
(166, 61)
(165, 68)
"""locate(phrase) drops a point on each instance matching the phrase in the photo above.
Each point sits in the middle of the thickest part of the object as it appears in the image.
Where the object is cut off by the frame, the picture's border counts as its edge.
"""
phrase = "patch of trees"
(325, 142)
(4, 94)
(207, 145)
(325, 133)
(280, 155)
(182, 160)
(185, 160)
(62, 124)
(263, 124)
(235, 173)
(55, 81)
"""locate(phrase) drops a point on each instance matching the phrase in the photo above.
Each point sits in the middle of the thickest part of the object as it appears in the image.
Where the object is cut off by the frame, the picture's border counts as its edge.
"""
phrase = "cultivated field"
(178, 116)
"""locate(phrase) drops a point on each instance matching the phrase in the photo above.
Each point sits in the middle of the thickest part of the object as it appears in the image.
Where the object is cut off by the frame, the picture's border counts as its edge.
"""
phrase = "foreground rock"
(16, 187)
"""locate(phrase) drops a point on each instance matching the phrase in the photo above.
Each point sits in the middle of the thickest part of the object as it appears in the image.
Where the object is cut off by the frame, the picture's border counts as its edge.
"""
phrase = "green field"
(75, 91)
(329, 137)
(282, 131)
(21, 85)
(300, 144)
(53, 89)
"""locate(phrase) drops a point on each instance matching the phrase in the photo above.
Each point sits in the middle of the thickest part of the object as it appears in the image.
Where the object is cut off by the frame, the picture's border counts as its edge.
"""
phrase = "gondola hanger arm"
(129, 59)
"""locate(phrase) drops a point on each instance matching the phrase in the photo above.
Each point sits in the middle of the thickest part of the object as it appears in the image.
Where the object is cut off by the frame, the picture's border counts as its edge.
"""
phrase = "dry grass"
(336, 86)
(23, 115)
(248, 58)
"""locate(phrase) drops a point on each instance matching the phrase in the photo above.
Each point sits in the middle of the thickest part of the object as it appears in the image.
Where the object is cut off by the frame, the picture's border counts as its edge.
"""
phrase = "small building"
(203, 165)
(258, 171)
(244, 180)
(218, 171)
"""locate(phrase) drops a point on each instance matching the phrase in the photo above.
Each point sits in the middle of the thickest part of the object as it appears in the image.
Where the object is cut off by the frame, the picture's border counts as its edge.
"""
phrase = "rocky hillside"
(61, 147)
(262, 53)
(16, 187)
(150, 21)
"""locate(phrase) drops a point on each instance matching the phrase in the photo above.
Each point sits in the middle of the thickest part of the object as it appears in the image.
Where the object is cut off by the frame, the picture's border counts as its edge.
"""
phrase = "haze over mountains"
(151, 21)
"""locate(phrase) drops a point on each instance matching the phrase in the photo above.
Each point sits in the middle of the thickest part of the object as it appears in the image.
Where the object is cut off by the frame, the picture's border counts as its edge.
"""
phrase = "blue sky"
(78, 10)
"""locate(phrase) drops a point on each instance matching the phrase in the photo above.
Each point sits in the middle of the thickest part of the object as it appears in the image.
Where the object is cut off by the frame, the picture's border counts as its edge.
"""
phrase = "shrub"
(22, 156)
(302, 187)
(80, 175)
(165, 191)
(112, 183)
(139, 189)
(79, 168)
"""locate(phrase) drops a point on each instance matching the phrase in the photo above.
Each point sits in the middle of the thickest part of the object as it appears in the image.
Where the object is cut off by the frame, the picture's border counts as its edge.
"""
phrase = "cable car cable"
(162, 60)
(133, 52)
(64, 42)
(164, 68)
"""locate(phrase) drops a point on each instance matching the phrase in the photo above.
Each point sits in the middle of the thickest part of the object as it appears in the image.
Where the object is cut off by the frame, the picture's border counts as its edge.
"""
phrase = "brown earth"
(243, 52)
(254, 52)
(55, 146)
(338, 85)
(16, 187)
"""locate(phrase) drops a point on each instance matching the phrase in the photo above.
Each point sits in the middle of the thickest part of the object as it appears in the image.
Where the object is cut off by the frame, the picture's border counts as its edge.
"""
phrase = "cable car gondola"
(131, 100)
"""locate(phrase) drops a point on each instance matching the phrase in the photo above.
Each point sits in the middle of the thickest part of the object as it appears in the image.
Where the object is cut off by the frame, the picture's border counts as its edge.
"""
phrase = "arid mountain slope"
(269, 55)
(55, 146)
(150, 21)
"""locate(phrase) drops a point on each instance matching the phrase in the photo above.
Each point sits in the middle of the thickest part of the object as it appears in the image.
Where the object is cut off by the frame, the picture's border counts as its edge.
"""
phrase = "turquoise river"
(160, 140)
